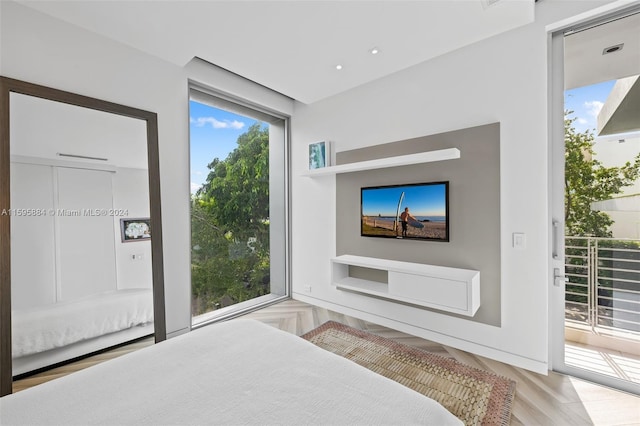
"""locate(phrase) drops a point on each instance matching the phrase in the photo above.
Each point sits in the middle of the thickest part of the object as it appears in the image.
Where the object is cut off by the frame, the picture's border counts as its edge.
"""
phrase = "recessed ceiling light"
(374, 51)
(611, 49)
(338, 67)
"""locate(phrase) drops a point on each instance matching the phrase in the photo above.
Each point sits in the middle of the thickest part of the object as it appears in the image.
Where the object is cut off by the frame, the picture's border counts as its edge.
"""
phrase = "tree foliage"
(586, 181)
(230, 226)
(236, 192)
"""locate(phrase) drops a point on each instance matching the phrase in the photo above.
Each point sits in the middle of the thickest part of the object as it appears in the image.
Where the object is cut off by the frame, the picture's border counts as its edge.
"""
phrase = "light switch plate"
(519, 240)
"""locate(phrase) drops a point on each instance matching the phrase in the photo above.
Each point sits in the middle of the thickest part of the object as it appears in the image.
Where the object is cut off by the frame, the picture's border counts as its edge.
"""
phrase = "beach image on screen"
(415, 211)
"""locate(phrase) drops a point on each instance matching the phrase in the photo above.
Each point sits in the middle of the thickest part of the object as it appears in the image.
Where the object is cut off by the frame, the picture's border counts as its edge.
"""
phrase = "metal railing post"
(593, 287)
(610, 306)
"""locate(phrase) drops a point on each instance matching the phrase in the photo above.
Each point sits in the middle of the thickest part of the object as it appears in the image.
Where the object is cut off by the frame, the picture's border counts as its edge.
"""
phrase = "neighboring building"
(618, 142)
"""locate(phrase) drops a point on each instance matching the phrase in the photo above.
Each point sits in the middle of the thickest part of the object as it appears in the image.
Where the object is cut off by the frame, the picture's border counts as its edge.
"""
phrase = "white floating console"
(438, 287)
(400, 160)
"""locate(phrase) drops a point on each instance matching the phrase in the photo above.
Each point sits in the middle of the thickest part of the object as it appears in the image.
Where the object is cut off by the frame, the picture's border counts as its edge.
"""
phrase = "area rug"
(475, 396)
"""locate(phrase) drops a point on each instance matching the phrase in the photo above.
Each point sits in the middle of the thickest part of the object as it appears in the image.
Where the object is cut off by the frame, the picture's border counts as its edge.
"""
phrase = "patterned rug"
(475, 396)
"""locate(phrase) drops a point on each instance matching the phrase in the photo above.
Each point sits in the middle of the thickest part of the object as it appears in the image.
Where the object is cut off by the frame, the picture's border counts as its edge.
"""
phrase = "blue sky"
(586, 102)
(213, 133)
(424, 200)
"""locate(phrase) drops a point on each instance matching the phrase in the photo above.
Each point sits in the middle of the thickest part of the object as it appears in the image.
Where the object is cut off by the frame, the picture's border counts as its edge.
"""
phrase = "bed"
(54, 333)
(237, 372)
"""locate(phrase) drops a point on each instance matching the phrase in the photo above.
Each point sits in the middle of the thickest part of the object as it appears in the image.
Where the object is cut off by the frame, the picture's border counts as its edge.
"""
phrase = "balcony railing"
(603, 288)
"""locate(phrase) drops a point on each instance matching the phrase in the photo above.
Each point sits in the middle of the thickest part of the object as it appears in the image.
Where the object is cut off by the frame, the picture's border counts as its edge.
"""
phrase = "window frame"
(279, 200)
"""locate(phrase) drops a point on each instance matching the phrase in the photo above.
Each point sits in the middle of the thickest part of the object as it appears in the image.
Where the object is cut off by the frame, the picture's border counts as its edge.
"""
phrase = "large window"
(239, 229)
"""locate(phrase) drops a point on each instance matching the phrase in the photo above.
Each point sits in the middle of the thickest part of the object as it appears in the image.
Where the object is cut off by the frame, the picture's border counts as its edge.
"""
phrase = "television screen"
(416, 211)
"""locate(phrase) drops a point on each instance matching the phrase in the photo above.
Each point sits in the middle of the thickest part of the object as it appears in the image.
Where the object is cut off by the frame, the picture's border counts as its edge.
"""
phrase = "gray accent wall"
(474, 207)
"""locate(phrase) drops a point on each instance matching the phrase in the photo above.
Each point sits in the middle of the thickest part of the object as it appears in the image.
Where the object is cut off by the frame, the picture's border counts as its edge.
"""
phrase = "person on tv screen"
(404, 217)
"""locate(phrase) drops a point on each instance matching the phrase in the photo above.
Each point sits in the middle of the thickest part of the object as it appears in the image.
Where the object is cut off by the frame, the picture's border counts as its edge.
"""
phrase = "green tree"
(586, 181)
(236, 192)
(230, 226)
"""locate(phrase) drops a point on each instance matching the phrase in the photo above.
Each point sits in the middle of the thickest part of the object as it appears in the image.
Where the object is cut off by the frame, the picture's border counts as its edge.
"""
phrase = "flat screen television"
(418, 211)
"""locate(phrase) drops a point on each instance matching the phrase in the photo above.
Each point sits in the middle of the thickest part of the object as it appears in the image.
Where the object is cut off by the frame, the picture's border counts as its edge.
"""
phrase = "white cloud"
(593, 107)
(582, 121)
(216, 124)
(195, 187)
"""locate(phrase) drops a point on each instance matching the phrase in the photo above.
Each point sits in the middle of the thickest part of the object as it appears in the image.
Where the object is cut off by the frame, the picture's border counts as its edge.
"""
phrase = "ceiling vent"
(612, 49)
(84, 157)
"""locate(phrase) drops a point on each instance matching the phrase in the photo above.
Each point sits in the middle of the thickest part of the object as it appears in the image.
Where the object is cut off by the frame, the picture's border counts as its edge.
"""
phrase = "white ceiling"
(293, 46)
(584, 62)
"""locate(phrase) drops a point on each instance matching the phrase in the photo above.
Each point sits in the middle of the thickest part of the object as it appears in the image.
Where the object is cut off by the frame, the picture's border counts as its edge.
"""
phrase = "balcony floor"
(605, 361)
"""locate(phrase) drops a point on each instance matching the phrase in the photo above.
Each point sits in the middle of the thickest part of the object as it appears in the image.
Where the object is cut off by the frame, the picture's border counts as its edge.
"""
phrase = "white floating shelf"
(401, 160)
(438, 287)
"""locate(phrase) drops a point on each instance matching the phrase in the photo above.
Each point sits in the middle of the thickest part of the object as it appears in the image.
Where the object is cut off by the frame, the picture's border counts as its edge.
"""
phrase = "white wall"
(37, 48)
(46, 51)
(611, 153)
(502, 79)
(133, 259)
(33, 238)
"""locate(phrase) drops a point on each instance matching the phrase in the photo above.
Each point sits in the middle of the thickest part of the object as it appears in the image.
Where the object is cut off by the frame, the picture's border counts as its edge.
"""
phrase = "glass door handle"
(558, 278)
(555, 237)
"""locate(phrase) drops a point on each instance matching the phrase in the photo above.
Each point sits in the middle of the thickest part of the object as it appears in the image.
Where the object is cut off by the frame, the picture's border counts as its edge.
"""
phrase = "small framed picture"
(135, 229)
(319, 155)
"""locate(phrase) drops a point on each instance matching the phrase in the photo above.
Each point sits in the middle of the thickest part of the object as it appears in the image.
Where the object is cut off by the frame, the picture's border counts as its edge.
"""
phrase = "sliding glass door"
(238, 207)
(595, 297)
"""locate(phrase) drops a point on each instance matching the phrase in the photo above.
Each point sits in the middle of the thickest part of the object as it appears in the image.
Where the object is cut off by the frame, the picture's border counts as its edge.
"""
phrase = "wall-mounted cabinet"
(400, 160)
(437, 287)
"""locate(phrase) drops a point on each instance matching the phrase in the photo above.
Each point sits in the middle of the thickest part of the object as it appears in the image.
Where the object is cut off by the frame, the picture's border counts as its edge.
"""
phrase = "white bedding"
(238, 372)
(52, 326)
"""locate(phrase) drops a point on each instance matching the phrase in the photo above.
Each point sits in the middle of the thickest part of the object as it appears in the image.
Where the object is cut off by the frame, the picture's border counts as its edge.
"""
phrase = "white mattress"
(238, 372)
(56, 325)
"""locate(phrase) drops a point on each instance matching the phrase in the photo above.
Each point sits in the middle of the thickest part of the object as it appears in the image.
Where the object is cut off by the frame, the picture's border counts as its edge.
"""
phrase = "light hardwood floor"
(54, 373)
(540, 400)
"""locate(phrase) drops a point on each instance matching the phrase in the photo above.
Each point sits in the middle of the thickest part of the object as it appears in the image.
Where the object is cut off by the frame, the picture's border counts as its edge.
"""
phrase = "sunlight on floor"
(596, 403)
(604, 361)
